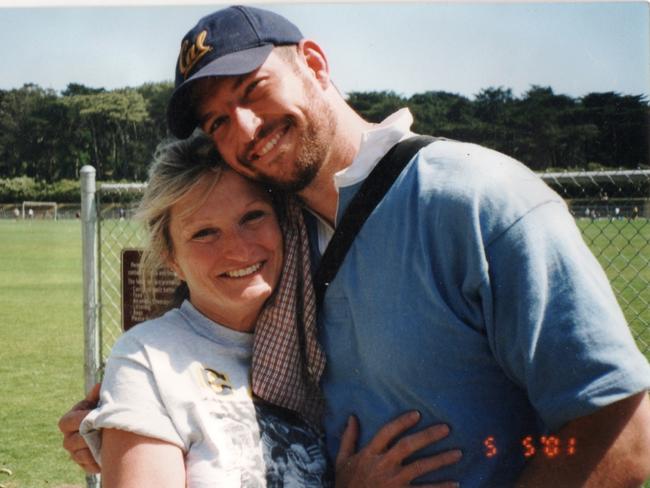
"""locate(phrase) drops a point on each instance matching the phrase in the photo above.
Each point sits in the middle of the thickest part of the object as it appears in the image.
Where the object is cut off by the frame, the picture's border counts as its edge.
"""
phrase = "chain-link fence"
(117, 231)
(612, 210)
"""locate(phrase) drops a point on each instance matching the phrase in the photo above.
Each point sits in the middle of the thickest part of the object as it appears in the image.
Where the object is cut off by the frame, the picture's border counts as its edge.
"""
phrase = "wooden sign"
(134, 307)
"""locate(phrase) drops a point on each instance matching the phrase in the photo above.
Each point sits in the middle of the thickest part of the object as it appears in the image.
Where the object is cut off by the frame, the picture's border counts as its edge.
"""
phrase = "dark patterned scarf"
(287, 359)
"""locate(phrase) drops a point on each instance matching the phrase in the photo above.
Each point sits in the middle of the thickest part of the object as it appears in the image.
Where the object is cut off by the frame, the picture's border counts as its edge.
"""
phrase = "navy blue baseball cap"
(230, 42)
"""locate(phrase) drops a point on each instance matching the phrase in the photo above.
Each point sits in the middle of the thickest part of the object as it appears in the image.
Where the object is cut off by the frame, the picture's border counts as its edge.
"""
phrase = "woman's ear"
(316, 61)
(173, 265)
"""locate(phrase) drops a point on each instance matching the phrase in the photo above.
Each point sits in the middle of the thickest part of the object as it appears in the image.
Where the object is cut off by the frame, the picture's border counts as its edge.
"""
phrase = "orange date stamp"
(550, 446)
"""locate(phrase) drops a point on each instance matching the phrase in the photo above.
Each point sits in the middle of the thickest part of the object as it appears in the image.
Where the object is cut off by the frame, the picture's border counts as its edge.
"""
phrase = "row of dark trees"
(49, 136)
(542, 129)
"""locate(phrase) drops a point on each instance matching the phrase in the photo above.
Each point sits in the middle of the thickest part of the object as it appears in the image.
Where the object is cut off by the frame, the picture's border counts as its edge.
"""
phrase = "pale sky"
(575, 48)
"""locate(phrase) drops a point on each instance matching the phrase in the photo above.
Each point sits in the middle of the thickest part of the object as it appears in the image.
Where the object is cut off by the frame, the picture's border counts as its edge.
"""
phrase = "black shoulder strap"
(369, 195)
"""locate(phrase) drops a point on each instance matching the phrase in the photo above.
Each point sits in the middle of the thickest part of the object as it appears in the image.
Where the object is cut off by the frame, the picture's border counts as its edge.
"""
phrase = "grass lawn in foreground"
(41, 333)
(41, 348)
(623, 249)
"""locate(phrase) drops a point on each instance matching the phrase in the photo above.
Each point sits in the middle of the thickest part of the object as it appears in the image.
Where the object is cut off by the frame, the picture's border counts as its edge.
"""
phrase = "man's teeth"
(238, 273)
(270, 145)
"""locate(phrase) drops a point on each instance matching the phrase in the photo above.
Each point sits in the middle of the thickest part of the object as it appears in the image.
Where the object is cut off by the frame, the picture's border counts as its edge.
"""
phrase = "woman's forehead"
(223, 190)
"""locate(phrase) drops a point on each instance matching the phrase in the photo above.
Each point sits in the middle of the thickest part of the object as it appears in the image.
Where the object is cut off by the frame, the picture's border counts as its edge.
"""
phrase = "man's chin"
(291, 185)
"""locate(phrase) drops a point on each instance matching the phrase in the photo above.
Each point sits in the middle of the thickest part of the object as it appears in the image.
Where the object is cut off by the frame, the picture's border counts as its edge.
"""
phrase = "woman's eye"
(253, 216)
(203, 233)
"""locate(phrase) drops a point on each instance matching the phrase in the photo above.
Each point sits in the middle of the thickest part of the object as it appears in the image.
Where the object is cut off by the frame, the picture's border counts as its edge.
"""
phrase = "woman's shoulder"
(167, 329)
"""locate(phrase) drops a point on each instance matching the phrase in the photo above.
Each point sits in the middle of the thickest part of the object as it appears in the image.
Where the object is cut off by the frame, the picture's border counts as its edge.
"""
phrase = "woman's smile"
(244, 272)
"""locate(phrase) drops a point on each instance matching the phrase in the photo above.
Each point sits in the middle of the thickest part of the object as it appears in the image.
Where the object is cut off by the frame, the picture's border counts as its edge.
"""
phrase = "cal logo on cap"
(192, 53)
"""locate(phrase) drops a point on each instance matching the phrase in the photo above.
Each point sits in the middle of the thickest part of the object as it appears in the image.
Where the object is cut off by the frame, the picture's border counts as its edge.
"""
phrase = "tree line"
(46, 136)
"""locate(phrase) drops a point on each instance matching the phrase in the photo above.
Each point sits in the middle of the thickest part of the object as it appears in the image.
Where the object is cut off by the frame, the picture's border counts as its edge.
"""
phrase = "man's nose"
(247, 121)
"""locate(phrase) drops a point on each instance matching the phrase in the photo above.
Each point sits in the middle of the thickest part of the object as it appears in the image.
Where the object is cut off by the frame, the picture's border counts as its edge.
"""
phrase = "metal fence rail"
(612, 209)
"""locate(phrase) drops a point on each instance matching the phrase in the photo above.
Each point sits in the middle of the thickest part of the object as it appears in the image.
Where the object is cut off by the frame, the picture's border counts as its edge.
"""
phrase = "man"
(468, 295)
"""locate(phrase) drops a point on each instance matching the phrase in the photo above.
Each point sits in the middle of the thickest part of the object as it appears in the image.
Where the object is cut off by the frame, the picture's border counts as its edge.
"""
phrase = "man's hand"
(612, 450)
(380, 463)
(72, 440)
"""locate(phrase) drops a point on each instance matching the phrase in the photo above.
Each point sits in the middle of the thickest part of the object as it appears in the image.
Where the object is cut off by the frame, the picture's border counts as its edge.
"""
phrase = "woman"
(177, 407)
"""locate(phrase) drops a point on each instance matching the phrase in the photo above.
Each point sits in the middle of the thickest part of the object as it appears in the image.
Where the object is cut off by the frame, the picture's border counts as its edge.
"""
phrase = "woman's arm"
(133, 461)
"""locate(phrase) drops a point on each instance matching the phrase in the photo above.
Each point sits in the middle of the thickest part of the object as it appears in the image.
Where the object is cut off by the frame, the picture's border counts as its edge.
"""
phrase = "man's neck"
(322, 195)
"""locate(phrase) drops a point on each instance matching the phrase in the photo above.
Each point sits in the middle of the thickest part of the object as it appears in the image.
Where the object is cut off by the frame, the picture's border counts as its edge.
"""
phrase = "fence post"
(89, 243)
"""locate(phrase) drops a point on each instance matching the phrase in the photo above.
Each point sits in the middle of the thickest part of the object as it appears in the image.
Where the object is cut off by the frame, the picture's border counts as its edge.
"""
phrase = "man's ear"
(316, 61)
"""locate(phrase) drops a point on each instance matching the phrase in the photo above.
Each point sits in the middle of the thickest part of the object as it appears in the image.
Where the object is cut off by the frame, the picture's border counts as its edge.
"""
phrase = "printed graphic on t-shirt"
(256, 444)
(293, 452)
(219, 382)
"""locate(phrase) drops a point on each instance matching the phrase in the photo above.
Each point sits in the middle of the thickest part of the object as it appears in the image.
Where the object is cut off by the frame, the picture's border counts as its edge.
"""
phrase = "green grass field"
(623, 249)
(41, 348)
(41, 338)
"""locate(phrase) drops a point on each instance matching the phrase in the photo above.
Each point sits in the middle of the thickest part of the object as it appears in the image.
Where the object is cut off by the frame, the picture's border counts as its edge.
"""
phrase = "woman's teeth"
(238, 273)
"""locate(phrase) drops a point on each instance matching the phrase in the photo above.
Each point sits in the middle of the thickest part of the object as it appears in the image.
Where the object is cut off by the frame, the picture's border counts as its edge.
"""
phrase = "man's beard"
(314, 144)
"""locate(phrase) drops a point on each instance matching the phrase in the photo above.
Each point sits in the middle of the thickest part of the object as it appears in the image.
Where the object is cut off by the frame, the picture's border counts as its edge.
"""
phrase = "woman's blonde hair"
(177, 168)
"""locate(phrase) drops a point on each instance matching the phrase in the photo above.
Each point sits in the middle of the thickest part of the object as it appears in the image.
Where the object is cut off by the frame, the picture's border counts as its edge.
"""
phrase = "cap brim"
(181, 118)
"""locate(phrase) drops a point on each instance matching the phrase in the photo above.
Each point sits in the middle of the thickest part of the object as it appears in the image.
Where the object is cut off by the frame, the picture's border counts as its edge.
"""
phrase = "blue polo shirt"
(470, 296)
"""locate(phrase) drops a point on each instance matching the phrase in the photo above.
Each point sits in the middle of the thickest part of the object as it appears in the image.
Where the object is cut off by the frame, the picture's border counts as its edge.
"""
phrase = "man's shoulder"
(475, 162)
(464, 170)
(468, 186)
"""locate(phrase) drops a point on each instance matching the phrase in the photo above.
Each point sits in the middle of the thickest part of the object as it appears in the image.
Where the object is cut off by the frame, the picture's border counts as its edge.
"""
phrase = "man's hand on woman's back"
(72, 440)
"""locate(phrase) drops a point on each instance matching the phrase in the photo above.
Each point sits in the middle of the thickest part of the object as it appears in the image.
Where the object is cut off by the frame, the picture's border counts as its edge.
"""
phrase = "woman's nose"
(236, 247)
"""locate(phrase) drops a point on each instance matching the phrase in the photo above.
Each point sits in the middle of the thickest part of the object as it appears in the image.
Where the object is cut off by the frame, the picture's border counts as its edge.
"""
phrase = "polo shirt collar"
(375, 143)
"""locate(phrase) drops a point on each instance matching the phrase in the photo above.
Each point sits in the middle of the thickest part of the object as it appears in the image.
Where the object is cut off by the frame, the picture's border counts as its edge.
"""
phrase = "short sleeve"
(555, 326)
(129, 399)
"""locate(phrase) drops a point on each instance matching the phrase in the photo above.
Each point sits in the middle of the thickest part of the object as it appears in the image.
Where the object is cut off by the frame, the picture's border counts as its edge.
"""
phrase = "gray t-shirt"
(185, 380)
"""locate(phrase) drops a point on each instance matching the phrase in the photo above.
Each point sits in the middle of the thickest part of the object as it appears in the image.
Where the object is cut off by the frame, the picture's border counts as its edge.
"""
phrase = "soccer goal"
(39, 210)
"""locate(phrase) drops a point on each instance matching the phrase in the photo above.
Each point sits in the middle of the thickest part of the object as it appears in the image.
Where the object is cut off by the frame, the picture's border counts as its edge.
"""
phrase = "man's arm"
(72, 440)
(612, 450)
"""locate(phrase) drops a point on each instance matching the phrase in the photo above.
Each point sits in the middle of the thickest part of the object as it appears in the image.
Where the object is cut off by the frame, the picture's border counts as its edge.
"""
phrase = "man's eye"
(250, 88)
(215, 124)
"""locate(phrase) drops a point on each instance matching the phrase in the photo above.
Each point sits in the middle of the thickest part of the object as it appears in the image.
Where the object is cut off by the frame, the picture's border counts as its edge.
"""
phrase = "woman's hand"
(380, 463)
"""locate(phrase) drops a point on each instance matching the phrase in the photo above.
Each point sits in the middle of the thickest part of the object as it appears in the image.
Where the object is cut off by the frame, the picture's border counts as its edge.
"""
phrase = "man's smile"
(268, 140)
